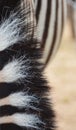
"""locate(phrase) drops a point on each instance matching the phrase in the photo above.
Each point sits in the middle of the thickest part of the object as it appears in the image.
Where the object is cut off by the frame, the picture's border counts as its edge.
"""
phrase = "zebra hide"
(24, 102)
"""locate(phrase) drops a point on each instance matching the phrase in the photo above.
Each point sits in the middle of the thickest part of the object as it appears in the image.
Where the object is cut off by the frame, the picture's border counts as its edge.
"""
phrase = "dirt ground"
(61, 74)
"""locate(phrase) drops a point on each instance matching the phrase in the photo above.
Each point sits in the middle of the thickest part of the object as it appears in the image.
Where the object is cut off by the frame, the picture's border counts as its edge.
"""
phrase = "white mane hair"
(23, 89)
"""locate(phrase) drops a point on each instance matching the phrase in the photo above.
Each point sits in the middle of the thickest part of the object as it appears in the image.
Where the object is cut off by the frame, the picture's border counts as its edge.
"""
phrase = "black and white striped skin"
(23, 90)
(50, 17)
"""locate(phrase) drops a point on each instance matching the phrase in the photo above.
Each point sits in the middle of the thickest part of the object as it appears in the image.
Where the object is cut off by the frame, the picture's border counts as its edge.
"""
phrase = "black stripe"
(8, 88)
(47, 22)
(38, 10)
(62, 23)
(63, 16)
(54, 36)
(11, 127)
(9, 110)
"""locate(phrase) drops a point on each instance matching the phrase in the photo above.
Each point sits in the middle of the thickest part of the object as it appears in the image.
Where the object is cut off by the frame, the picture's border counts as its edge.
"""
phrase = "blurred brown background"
(61, 74)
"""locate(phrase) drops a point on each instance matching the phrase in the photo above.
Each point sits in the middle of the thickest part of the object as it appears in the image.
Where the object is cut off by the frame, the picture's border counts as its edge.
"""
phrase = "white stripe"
(11, 28)
(10, 32)
(26, 120)
(15, 71)
(42, 18)
(35, 4)
(59, 28)
(22, 120)
(74, 17)
(60, 25)
(65, 10)
(20, 100)
(50, 31)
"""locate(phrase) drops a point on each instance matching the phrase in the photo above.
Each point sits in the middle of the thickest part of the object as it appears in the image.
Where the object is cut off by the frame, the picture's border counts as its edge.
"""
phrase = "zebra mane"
(23, 89)
(18, 27)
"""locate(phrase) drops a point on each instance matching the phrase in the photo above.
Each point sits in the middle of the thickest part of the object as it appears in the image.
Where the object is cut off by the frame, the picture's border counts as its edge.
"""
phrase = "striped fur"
(24, 102)
(50, 16)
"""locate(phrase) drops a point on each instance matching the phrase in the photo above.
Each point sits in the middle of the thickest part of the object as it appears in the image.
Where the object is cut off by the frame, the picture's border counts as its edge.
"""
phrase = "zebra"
(24, 102)
(51, 18)
(50, 21)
